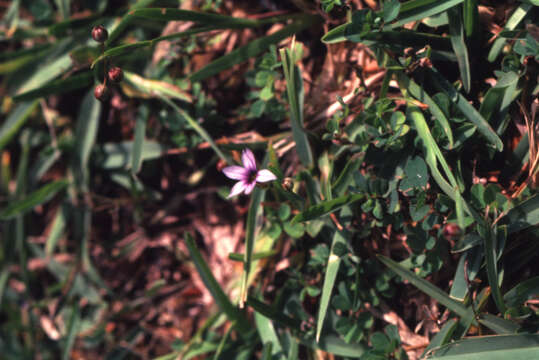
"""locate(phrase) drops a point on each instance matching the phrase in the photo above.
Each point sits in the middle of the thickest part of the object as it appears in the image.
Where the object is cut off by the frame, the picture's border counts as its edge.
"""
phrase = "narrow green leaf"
(72, 331)
(470, 16)
(335, 345)
(499, 325)
(213, 286)
(516, 17)
(335, 35)
(429, 289)
(346, 176)
(326, 207)
(522, 216)
(140, 133)
(85, 135)
(295, 92)
(118, 155)
(57, 229)
(154, 88)
(442, 337)
(255, 210)
(524, 291)
(172, 14)
(4, 277)
(252, 49)
(268, 335)
(332, 269)
(498, 347)
(418, 92)
(273, 314)
(119, 27)
(59, 86)
(419, 9)
(456, 30)
(467, 109)
(15, 121)
(489, 238)
(34, 199)
(459, 288)
(199, 129)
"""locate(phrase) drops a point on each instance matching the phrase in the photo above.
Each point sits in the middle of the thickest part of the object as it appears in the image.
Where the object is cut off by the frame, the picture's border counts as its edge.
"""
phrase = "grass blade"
(429, 289)
(419, 9)
(456, 30)
(59, 86)
(499, 325)
(442, 337)
(72, 331)
(522, 216)
(199, 129)
(522, 292)
(336, 346)
(409, 85)
(499, 347)
(140, 133)
(255, 210)
(252, 49)
(490, 241)
(332, 269)
(466, 108)
(516, 17)
(172, 14)
(326, 207)
(269, 336)
(15, 121)
(152, 88)
(38, 197)
(85, 135)
(295, 92)
(213, 286)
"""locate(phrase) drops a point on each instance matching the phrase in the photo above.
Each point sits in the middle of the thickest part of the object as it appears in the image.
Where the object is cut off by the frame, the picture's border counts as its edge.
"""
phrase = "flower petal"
(265, 175)
(248, 160)
(236, 172)
(249, 187)
(237, 189)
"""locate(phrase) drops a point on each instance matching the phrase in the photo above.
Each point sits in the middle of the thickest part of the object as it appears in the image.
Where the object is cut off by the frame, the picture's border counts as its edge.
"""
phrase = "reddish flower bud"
(101, 92)
(116, 74)
(100, 34)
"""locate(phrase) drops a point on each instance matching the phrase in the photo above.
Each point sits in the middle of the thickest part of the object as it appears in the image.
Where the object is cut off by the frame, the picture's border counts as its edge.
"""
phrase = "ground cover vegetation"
(306, 179)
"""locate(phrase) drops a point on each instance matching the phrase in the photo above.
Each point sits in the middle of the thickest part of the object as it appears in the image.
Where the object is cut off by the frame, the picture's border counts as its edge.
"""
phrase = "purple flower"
(248, 175)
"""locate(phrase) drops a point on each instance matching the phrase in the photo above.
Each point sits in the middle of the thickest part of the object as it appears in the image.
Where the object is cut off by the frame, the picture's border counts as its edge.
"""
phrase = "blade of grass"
(172, 14)
(85, 135)
(456, 31)
(252, 49)
(152, 88)
(520, 293)
(140, 133)
(429, 289)
(213, 286)
(59, 86)
(57, 229)
(255, 211)
(498, 347)
(466, 108)
(268, 335)
(332, 269)
(516, 17)
(419, 9)
(15, 121)
(199, 129)
(274, 314)
(411, 87)
(326, 207)
(499, 325)
(115, 32)
(295, 92)
(72, 331)
(522, 216)
(489, 238)
(442, 337)
(38, 197)
(336, 346)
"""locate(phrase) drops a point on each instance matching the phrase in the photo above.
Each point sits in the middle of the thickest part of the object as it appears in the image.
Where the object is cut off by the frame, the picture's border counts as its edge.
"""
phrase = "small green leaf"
(326, 207)
(34, 199)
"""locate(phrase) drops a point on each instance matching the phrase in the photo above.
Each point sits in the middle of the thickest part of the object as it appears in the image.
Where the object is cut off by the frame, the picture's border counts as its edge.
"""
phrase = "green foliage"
(426, 183)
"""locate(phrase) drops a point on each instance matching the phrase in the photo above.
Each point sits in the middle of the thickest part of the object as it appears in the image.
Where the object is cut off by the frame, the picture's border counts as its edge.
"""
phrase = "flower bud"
(100, 34)
(116, 74)
(101, 92)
